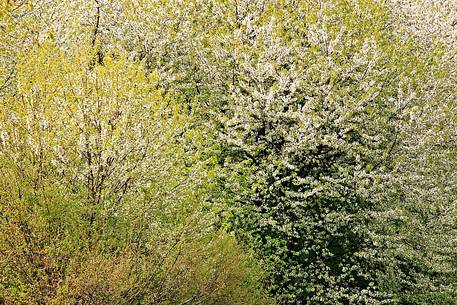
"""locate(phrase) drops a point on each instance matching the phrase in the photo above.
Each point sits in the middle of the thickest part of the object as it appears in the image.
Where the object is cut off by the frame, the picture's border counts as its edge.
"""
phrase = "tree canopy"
(228, 152)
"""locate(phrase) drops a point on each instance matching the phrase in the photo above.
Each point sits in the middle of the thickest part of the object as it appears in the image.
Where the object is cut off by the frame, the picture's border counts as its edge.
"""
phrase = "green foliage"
(199, 151)
(100, 201)
(318, 113)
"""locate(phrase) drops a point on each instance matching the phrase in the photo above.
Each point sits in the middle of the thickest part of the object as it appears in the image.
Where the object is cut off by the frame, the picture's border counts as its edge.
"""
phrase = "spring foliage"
(207, 151)
(101, 203)
(315, 115)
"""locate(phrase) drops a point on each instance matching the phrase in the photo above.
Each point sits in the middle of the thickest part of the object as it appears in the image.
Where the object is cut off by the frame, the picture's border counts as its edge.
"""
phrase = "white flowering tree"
(323, 103)
(419, 222)
(322, 131)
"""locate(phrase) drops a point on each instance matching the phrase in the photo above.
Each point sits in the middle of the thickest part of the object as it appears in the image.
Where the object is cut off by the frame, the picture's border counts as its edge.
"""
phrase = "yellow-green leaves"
(104, 177)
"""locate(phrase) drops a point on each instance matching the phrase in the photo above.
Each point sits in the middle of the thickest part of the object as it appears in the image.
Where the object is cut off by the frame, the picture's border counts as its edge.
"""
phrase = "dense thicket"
(210, 151)
(102, 193)
(321, 115)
